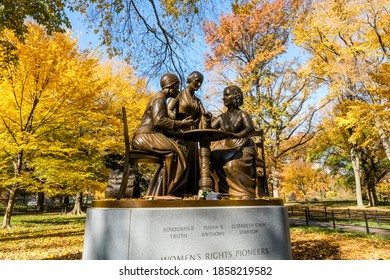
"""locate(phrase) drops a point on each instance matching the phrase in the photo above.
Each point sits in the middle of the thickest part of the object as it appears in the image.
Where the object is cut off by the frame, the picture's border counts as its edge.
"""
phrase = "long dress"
(234, 165)
(188, 105)
(150, 136)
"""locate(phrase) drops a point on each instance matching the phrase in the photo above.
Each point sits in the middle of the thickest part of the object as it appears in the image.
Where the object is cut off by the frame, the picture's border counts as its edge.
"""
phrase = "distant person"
(234, 164)
(150, 136)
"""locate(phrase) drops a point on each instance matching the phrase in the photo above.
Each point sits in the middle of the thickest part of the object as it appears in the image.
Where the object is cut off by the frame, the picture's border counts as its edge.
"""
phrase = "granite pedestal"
(187, 230)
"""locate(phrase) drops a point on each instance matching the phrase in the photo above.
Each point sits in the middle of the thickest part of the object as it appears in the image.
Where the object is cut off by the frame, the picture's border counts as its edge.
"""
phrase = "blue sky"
(88, 39)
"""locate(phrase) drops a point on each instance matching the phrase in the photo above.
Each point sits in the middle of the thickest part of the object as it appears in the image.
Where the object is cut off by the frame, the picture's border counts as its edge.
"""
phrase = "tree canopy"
(59, 114)
(348, 45)
(156, 36)
(51, 14)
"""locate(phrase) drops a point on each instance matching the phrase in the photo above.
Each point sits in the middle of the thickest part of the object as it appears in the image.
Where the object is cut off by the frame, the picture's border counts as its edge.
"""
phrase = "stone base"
(205, 232)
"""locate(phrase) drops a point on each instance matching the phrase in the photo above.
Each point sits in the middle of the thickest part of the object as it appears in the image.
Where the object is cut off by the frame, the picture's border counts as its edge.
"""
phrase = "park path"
(342, 227)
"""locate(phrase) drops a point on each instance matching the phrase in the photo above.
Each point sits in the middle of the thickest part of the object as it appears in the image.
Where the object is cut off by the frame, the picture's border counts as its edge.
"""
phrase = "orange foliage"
(314, 245)
(251, 36)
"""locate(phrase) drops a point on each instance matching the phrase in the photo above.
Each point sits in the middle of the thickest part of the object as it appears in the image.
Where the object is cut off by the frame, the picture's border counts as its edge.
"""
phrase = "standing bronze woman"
(234, 165)
(185, 105)
(150, 136)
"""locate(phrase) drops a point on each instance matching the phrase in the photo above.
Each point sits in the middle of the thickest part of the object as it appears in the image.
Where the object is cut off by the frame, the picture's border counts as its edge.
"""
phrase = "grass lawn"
(59, 237)
(43, 237)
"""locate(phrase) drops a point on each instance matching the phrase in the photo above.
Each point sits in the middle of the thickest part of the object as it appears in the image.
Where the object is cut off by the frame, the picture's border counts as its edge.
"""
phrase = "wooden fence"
(336, 215)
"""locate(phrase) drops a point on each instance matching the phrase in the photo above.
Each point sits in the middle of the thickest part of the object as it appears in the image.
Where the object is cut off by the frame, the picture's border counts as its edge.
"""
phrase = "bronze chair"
(262, 187)
(140, 156)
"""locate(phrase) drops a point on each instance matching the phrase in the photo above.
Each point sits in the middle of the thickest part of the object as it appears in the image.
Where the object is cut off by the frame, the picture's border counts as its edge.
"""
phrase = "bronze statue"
(151, 136)
(185, 105)
(234, 164)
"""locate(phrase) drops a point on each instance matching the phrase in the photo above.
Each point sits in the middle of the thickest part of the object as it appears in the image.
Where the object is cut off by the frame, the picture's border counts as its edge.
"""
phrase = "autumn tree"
(284, 110)
(101, 133)
(42, 93)
(51, 14)
(331, 149)
(14, 15)
(248, 43)
(155, 36)
(72, 106)
(348, 42)
(362, 131)
(249, 38)
(79, 166)
(301, 180)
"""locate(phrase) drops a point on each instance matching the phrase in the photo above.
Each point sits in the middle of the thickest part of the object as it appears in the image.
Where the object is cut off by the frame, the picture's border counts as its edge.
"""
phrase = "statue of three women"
(170, 112)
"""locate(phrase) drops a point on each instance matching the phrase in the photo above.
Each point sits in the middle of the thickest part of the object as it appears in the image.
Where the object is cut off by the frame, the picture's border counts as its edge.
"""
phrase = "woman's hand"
(187, 122)
(207, 116)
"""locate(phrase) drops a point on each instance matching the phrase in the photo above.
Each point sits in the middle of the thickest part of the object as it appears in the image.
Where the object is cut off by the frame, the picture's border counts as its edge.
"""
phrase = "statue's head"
(168, 80)
(196, 75)
(238, 96)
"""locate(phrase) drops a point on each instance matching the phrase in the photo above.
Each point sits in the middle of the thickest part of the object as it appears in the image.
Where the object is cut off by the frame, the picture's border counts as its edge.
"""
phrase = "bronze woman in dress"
(234, 165)
(185, 105)
(150, 136)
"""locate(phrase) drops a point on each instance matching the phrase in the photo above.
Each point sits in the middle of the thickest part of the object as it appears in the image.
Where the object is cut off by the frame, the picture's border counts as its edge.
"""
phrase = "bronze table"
(205, 137)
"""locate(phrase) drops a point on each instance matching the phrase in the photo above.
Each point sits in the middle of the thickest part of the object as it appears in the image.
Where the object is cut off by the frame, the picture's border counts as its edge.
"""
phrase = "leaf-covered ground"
(43, 237)
(324, 244)
(53, 236)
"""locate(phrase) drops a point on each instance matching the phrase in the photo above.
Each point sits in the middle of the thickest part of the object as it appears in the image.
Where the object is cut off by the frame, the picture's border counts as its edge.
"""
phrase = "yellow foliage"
(60, 113)
(303, 179)
(348, 43)
(347, 40)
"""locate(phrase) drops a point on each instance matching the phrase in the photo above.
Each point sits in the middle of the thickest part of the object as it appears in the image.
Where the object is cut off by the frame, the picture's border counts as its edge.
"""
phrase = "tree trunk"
(275, 170)
(370, 199)
(40, 201)
(372, 193)
(275, 181)
(65, 204)
(371, 177)
(275, 188)
(17, 162)
(10, 207)
(77, 205)
(355, 158)
(375, 196)
(383, 136)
